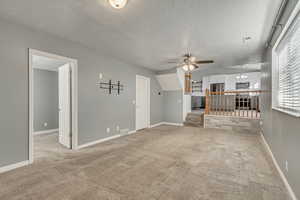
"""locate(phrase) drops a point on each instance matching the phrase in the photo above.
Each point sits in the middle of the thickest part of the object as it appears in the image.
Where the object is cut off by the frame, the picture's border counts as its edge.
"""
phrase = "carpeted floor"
(163, 163)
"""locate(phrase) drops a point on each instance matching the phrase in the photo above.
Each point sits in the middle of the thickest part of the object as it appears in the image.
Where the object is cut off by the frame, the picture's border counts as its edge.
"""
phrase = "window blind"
(288, 53)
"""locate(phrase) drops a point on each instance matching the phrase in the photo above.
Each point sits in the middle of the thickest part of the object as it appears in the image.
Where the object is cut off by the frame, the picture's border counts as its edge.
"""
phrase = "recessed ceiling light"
(118, 4)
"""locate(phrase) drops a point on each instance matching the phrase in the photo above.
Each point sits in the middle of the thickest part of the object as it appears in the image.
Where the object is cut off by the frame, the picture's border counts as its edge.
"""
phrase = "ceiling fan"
(190, 62)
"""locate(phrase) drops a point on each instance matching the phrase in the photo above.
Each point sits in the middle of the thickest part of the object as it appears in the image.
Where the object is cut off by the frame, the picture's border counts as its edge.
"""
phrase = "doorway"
(52, 104)
(142, 102)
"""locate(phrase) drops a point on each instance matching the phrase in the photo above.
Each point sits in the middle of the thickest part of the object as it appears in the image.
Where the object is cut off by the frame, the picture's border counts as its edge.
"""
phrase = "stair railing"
(233, 103)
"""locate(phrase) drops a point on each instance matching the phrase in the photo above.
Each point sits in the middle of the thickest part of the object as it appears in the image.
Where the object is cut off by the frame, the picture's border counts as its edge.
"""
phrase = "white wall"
(177, 104)
(92, 101)
(187, 105)
(45, 100)
(169, 82)
(230, 81)
(187, 101)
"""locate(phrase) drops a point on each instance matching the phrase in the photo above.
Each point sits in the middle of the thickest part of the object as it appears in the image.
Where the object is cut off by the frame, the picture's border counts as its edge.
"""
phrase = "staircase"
(195, 119)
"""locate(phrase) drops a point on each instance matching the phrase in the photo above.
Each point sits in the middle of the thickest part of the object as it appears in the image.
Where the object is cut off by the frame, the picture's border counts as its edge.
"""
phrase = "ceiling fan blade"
(195, 67)
(172, 59)
(204, 61)
(172, 62)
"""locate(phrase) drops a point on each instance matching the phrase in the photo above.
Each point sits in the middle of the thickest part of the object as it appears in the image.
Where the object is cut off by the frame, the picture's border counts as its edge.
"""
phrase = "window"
(245, 85)
(217, 87)
(197, 86)
(286, 70)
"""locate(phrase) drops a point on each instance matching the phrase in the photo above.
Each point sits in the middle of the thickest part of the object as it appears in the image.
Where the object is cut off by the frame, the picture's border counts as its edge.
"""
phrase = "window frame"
(238, 84)
(275, 64)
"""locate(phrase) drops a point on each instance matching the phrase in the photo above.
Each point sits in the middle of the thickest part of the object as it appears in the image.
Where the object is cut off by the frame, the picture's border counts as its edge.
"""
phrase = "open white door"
(64, 75)
(142, 102)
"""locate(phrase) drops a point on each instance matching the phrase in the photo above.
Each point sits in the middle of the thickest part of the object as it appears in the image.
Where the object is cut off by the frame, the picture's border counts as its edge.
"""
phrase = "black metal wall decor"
(110, 86)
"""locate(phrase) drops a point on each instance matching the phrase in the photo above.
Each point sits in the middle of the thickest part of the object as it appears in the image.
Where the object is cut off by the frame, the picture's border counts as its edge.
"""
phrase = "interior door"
(64, 76)
(142, 102)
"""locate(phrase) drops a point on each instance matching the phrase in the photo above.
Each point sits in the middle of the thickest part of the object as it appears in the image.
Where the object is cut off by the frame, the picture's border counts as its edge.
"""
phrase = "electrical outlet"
(118, 128)
(107, 130)
(286, 165)
(45, 124)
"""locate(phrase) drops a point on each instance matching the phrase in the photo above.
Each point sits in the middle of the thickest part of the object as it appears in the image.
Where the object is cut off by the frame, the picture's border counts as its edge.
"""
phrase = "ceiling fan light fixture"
(185, 68)
(192, 58)
(118, 4)
(191, 67)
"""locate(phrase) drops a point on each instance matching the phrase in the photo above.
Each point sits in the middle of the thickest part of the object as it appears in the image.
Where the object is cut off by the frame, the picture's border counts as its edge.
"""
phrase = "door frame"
(148, 99)
(74, 98)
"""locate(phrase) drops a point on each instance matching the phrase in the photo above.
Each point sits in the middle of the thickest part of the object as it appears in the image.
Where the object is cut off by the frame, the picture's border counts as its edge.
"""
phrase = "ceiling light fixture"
(191, 67)
(118, 4)
(185, 68)
(241, 76)
(188, 67)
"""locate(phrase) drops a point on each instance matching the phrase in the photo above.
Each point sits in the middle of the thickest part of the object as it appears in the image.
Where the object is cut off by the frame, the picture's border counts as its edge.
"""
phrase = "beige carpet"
(163, 163)
(47, 147)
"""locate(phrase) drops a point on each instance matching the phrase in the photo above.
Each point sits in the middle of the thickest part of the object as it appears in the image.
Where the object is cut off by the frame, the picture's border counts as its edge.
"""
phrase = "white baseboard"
(155, 125)
(98, 141)
(45, 132)
(286, 183)
(131, 132)
(117, 136)
(172, 124)
(166, 123)
(14, 166)
(104, 140)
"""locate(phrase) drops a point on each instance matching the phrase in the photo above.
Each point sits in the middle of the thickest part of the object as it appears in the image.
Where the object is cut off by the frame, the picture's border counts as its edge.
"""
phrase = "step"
(190, 117)
(194, 121)
(193, 124)
(200, 121)
(196, 114)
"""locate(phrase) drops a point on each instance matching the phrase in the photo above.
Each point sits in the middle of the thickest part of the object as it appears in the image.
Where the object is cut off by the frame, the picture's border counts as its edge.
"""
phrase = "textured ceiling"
(147, 33)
